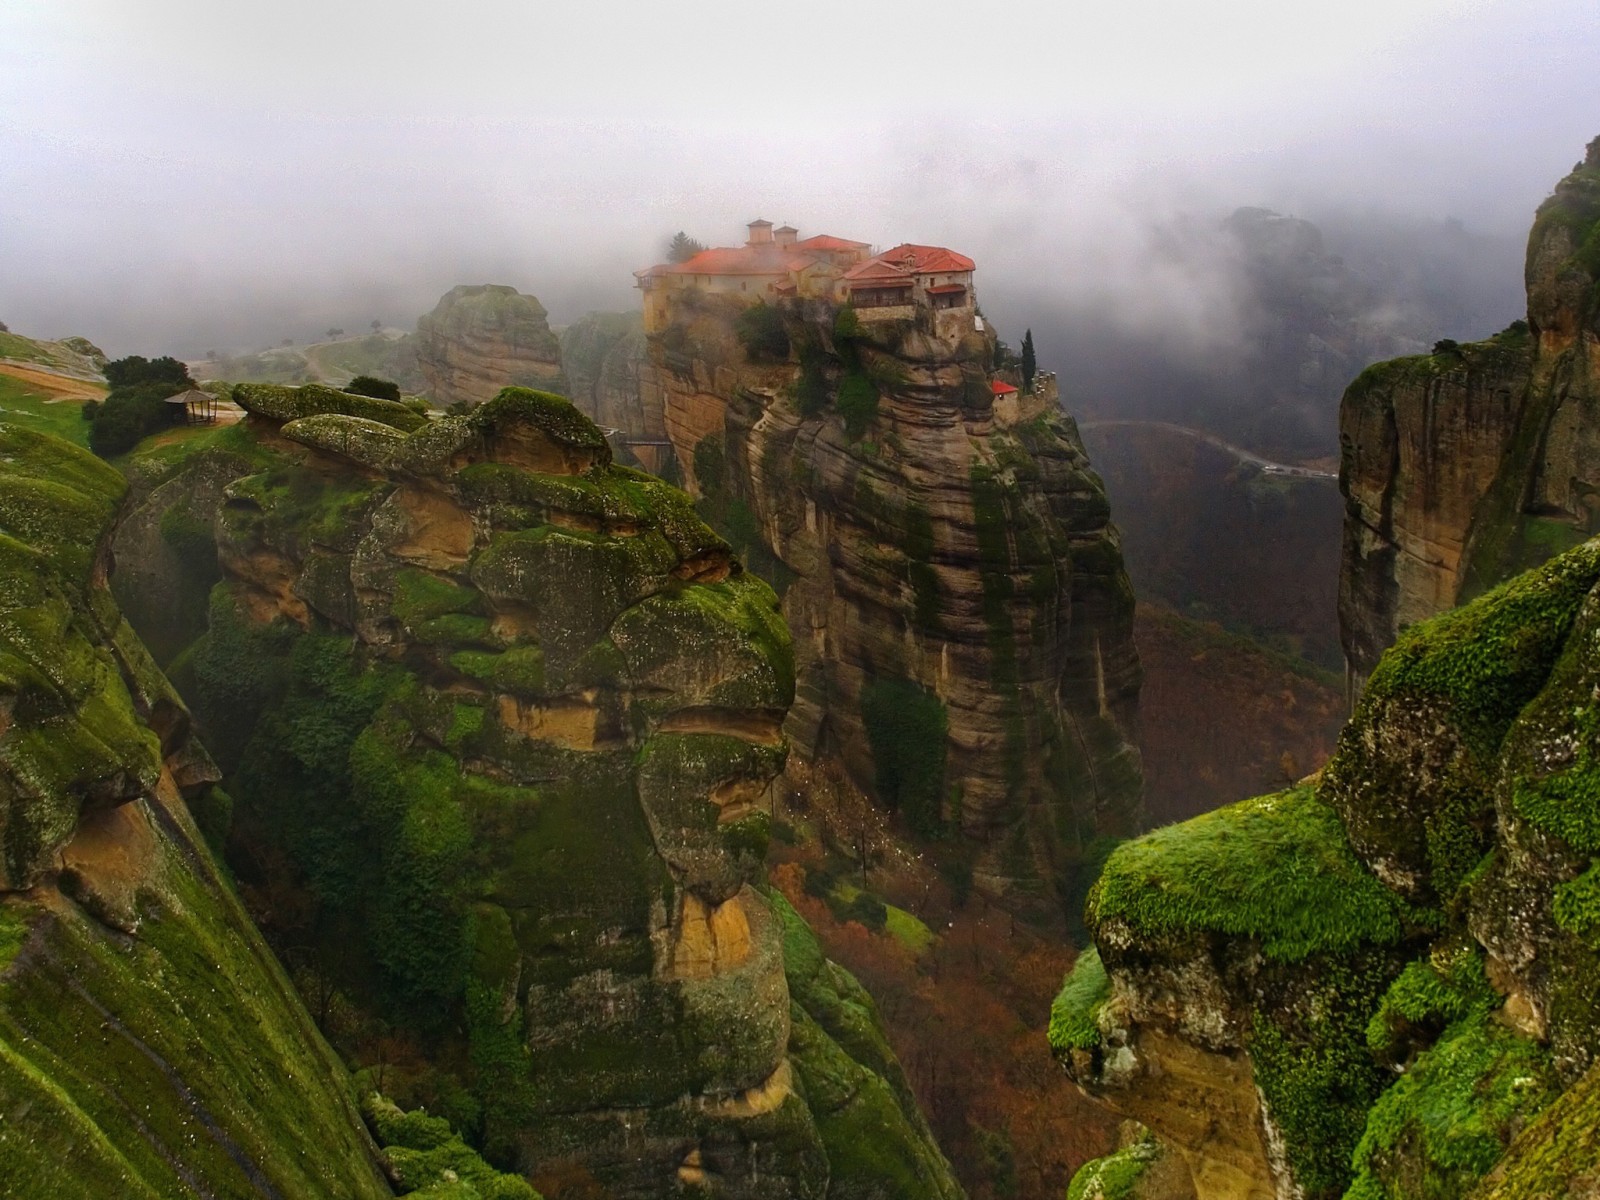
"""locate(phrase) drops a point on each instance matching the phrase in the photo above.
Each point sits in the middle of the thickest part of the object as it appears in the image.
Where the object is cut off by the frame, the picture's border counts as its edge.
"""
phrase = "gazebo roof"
(192, 396)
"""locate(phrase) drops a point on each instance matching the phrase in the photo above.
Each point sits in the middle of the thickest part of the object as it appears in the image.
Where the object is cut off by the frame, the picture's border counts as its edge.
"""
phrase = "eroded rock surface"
(962, 619)
(481, 338)
(510, 712)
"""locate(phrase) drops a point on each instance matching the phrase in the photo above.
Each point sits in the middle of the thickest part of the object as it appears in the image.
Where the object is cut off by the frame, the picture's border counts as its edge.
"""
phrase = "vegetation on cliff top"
(1277, 869)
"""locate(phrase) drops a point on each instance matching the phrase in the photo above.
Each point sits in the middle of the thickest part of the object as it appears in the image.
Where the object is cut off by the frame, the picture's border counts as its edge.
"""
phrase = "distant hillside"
(386, 353)
(43, 384)
(74, 356)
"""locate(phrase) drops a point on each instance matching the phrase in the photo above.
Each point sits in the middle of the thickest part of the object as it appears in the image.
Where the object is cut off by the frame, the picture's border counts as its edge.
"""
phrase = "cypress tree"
(1029, 363)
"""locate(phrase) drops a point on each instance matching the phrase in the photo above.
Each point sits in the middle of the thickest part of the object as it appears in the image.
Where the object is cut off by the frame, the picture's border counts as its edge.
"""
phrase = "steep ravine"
(499, 717)
(962, 619)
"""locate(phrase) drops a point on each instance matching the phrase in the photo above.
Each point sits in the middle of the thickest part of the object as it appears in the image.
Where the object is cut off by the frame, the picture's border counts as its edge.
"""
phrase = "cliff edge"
(1381, 982)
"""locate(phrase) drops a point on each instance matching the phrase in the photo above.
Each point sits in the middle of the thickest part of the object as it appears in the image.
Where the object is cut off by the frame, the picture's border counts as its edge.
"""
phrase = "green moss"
(1312, 1067)
(172, 1063)
(1577, 906)
(426, 1153)
(1446, 987)
(1116, 1176)
(876, 1141)
(371, 443)
(1276, 868)
(519, 670)
(279, 403)
(1552, 1156)
(1446, 1122)
(1489, 658)
(731, 632)
(1073, 1016)
(554, 416)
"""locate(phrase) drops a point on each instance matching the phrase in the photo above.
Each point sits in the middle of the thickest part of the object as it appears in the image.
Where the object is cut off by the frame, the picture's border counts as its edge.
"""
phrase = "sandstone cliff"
(962, 619)
(1377, 983)
(479, 339)
(1466, 466)
(603, 356)
(150, 1045)
(500, 717)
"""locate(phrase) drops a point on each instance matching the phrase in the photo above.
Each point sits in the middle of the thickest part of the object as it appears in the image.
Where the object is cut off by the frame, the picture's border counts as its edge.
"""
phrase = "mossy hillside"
(1276, 869)
(1448, 1120)
(284, 404)
(430, 1159)
(1546, 1159)
(878, 1144)
(1439, 706)
(173, 1063)
(1554, 750)
(75, 735)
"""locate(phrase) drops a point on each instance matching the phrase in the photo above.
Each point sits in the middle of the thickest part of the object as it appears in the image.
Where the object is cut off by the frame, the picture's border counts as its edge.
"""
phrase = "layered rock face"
(1381, 983)
(510, 712)
(1463, 467)
(962, 618)
(150, 1045)
(603, 355)
(479, 339)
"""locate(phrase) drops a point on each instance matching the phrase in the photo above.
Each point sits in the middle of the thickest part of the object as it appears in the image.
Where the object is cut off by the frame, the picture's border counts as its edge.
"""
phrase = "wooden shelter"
(199, 408)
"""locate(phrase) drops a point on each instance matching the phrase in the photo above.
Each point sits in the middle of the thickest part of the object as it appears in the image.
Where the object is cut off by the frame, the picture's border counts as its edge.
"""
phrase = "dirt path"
(54, 387)
(1239, 452)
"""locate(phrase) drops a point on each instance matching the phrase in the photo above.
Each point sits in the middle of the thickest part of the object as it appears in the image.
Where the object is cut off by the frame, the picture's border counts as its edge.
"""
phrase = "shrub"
(858, 405)
(371, 385)
(760, 331)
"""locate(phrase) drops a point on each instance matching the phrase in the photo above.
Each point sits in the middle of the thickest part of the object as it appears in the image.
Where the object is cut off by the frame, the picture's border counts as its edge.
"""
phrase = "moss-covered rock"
(286, 404)
(149, 1043)
(504, 716)
(1402, 953)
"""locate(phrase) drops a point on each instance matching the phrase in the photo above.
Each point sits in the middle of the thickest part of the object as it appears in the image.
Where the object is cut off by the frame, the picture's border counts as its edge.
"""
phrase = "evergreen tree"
(1029, 363)
(682, 247)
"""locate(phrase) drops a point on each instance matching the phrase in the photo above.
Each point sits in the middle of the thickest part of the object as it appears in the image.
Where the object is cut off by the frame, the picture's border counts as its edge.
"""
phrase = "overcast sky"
(177, 175)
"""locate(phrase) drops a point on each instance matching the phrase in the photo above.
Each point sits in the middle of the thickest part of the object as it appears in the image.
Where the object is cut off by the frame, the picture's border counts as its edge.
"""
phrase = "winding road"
(1268, 467)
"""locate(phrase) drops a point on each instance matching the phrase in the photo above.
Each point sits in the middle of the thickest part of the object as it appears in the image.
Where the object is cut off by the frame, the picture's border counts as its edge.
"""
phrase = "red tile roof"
(926, 260)
(875, 270)
(826, 241)
(947, 289)
(1001, 388)
(768, 259)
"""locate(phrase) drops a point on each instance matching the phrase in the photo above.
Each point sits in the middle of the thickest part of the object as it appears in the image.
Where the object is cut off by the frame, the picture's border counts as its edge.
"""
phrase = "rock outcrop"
(1382, 982)
(479, 339)
(508, 712)
(1463, 467)
(962, 618)
(150, 1045)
